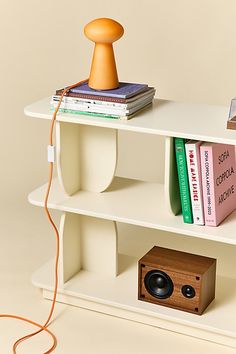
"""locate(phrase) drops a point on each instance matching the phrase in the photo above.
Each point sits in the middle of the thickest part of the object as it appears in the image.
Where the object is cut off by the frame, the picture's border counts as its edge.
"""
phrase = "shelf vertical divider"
(87, 243)
(86, 157)
(70, 261)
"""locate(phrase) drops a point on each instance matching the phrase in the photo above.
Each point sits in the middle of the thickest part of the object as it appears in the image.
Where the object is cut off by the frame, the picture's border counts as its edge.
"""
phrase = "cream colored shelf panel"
(133, 202)
(168, 118)
(86, 157)
(80, 239)
(118, 297)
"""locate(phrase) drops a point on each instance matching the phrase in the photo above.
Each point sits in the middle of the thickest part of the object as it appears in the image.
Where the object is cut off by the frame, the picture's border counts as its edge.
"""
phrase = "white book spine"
(91, 108)
(192, 149)
(85, 102)
(96, 103)
(100, 109)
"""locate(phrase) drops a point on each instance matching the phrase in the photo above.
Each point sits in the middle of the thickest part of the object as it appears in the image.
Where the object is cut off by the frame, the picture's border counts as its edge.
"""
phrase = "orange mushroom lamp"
(103, 74)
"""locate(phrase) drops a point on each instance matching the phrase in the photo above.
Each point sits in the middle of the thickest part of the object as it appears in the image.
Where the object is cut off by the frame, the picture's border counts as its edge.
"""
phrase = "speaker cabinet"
(177, 279)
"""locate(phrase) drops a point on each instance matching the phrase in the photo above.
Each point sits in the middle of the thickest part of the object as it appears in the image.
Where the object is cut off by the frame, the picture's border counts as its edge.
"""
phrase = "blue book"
(125, 90)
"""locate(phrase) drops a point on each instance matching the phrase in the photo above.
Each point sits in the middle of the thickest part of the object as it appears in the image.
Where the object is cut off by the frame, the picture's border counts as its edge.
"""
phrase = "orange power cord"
(46, 324)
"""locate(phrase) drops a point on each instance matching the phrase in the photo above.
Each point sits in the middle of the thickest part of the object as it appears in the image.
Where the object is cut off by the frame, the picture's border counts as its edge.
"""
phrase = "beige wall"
(185, 48)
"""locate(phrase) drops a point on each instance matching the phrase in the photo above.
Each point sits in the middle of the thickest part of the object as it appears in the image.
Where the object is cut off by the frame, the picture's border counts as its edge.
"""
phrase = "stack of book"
(121, 103)
(207, 180)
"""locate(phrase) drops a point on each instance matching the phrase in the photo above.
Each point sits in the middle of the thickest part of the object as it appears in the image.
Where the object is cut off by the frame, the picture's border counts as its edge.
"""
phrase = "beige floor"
(26, 242)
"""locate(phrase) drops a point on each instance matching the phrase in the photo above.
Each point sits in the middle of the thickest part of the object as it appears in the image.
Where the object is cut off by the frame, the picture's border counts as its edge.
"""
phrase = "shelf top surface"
(141, 207)
(168, 118)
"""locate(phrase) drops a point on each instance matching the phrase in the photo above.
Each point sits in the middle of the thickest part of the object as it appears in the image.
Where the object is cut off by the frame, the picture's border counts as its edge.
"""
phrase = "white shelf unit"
(92, 273)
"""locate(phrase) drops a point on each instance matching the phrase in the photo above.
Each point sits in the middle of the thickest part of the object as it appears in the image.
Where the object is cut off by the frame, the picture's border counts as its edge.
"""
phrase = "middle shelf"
(132, 202)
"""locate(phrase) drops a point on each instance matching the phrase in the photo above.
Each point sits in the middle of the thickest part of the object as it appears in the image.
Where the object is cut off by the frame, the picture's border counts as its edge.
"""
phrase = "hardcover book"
(192, 149)
(218, 181)
(183, 180)
(146, 92)
(104, 103)
(125, 90)
(103, 115)
(98, 108)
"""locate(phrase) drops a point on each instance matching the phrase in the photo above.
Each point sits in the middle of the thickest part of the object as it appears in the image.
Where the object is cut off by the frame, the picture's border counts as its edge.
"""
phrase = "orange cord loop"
(46, 324)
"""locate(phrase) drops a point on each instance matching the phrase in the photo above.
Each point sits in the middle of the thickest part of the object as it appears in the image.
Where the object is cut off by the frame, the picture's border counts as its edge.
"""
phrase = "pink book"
(218, 181)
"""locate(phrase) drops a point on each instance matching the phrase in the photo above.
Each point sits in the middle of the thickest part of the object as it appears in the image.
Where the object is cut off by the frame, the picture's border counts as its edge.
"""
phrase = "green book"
(183, 180)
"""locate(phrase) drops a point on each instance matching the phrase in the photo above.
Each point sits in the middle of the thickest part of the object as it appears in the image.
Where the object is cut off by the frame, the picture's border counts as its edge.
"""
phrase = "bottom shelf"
(118, 297)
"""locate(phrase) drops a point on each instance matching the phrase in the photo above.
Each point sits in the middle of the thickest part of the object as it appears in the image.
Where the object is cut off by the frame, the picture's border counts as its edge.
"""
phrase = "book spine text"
(195, 181)
(183, 180)
(208, 185)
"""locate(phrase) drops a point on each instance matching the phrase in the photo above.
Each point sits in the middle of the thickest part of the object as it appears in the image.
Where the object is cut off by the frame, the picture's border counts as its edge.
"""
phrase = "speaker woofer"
(158, 284)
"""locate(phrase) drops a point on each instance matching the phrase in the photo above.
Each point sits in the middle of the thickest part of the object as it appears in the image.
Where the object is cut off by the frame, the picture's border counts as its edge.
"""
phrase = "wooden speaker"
(177, 279)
